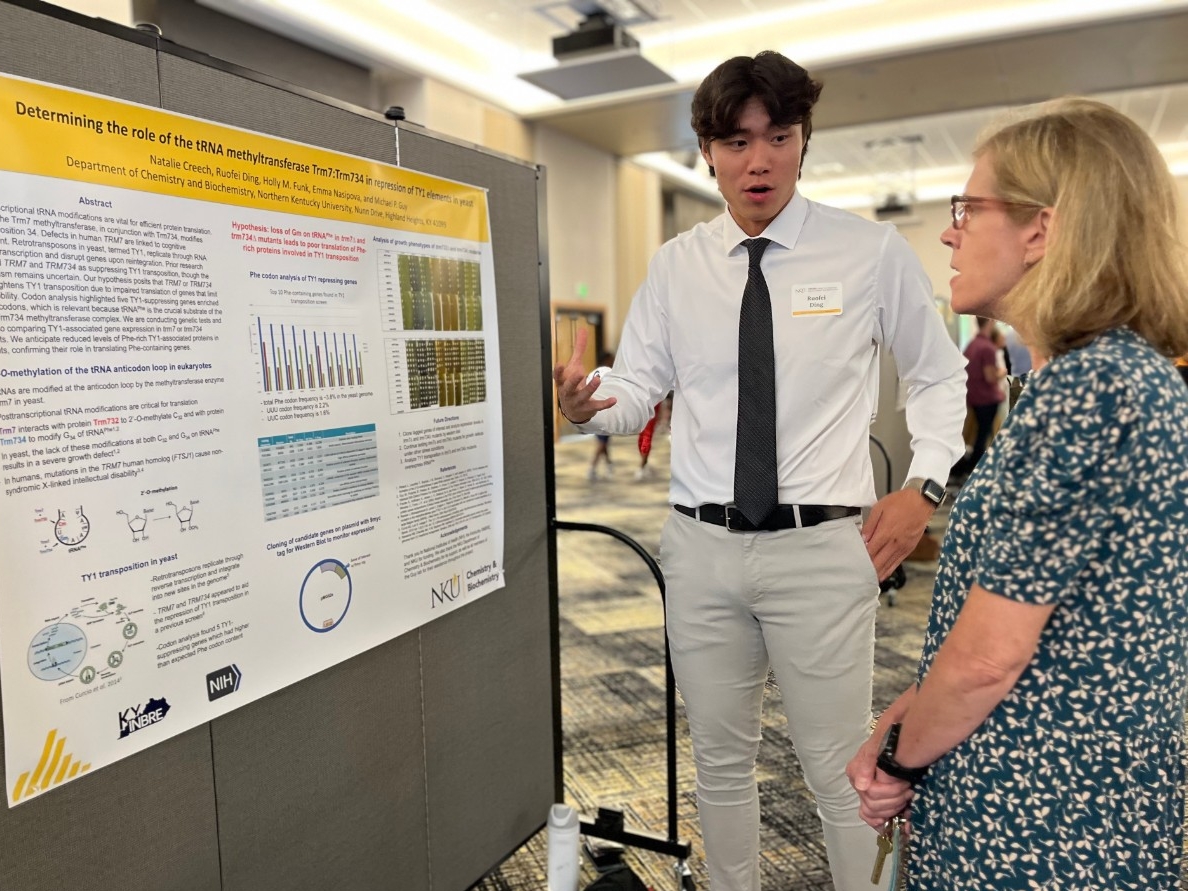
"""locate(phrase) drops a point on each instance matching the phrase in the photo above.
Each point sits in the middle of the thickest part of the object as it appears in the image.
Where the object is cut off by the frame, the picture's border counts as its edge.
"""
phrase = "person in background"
(1042, 744)
(1018, 354)
(983, 392)
(1019, 367)
(765, 562)
(1002, 357)
(1182, 364)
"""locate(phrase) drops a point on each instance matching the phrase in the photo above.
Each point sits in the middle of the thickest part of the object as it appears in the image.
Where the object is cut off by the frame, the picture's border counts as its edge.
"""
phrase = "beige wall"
(119, 11)
(458, 114)
(923, 233)
(638, 225)
(407, 92)
(581, 188)
(686, 211)
(454, 113)
(506, 133)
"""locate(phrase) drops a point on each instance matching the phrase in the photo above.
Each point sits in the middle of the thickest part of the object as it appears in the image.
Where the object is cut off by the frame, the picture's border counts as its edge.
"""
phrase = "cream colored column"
(638, 227)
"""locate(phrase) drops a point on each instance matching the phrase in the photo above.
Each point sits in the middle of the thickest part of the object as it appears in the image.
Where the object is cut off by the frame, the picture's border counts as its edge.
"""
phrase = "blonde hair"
(1114, 256)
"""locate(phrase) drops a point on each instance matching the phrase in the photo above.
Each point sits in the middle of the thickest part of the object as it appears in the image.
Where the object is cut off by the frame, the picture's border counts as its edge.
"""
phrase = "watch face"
(933, 491)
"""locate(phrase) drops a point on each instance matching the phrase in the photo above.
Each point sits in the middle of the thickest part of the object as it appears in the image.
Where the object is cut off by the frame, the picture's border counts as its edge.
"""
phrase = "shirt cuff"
(930, 462)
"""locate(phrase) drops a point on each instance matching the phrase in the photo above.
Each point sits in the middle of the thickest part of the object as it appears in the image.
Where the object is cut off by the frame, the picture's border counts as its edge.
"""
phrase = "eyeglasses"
(959, 206)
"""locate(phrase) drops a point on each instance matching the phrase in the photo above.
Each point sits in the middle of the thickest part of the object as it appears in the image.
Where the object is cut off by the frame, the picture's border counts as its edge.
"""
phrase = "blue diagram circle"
(325, 596)
(56, 651)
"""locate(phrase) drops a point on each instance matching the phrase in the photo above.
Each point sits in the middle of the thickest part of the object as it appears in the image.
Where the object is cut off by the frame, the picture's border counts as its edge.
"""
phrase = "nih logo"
(223, 682)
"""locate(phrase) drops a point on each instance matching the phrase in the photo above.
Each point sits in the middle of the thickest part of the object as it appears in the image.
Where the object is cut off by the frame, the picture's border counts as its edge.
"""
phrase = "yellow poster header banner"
(52, 131)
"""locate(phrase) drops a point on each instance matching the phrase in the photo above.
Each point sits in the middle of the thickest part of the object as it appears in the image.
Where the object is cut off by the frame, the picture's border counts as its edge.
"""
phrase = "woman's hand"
(861, 769)
(882, 799)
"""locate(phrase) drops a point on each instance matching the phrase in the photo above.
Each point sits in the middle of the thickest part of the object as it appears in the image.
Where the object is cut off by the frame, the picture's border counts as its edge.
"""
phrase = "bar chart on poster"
(309, 354)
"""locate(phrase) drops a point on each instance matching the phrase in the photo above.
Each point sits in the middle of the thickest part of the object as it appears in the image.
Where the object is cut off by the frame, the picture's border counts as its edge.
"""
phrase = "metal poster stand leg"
(609, 823)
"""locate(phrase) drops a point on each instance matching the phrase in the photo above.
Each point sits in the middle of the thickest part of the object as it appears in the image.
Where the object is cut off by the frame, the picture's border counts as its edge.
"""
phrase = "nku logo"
(446, 592)
(133, 719)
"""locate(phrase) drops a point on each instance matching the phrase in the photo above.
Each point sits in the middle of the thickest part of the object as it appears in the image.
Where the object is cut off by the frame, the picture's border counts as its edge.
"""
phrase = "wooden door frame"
(556, 308)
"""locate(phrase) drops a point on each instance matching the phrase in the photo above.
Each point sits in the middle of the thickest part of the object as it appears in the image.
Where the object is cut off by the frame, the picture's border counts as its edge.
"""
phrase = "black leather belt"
(785, 516)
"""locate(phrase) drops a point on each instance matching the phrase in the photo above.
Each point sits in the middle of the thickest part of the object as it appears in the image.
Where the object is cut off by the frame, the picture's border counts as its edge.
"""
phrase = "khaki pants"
(801, 601)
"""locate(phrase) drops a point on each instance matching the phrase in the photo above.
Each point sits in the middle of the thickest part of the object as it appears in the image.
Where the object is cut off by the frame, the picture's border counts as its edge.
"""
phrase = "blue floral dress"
(1074, 780)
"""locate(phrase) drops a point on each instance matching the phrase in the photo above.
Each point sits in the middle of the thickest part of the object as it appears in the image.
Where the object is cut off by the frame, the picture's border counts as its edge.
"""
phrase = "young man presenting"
(764, 560)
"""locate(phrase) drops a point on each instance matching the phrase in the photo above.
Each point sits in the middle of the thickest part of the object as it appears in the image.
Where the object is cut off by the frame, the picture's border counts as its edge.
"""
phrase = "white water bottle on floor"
(564, 868)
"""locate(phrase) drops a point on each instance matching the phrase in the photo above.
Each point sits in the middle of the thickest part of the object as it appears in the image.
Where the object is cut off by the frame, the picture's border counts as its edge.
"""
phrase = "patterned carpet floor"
(612, 671)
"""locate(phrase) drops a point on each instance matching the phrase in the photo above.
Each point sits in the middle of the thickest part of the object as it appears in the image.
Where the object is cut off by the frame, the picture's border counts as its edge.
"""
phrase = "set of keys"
(890, 841)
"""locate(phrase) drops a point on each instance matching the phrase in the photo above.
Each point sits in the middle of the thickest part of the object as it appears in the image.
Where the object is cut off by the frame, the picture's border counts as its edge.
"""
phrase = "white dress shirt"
(681, 334)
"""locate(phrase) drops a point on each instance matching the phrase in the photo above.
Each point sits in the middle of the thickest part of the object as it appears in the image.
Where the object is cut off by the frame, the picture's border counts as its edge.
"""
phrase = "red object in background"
(645, 437)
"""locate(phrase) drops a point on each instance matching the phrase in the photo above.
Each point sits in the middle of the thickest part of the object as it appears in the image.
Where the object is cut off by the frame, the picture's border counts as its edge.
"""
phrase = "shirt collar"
(784, 230)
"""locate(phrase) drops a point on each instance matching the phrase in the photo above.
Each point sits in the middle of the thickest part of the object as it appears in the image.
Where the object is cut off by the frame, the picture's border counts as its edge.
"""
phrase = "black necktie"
(756, 484)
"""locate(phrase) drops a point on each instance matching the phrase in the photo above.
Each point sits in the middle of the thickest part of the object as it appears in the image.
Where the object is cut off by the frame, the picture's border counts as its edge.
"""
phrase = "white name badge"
(822, 299)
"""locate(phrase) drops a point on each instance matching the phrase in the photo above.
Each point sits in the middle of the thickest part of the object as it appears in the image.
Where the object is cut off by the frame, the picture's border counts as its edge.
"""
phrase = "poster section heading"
(47, 131)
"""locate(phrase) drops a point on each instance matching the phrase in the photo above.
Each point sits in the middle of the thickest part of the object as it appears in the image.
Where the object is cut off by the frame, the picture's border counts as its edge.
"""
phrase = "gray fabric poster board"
(419, 764)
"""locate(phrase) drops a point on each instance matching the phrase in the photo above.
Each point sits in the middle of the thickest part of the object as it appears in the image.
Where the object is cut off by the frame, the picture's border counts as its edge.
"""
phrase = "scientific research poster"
(249, 419)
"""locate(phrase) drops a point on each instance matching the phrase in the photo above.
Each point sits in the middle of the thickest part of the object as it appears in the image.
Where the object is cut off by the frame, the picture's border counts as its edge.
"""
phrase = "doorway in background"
(567, 321)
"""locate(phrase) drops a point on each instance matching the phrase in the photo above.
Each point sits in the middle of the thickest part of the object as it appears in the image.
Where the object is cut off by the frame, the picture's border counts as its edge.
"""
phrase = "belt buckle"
(726, 509)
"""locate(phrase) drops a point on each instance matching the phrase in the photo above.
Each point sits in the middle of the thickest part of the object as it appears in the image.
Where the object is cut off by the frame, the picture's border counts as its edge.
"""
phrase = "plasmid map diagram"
(325, 595)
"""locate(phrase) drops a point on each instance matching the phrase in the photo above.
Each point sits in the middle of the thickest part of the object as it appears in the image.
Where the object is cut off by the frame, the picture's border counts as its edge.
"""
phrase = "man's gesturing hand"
(575, 396)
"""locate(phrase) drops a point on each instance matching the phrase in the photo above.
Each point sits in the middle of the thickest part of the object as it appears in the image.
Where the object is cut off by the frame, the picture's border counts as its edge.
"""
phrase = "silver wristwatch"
(930, 489)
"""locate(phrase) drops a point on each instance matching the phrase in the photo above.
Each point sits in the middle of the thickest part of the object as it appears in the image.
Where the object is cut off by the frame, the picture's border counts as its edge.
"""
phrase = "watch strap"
(887, 764)
(930, 489)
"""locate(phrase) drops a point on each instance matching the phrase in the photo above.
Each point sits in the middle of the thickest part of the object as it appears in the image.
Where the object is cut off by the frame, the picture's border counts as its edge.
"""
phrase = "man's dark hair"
(785, 89)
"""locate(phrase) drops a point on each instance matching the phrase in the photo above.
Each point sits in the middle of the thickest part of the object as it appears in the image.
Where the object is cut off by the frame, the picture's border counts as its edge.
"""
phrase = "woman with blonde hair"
(1041, 746)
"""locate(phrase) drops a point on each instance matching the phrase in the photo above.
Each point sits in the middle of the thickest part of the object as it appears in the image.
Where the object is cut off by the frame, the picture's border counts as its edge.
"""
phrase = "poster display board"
(249, 419)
